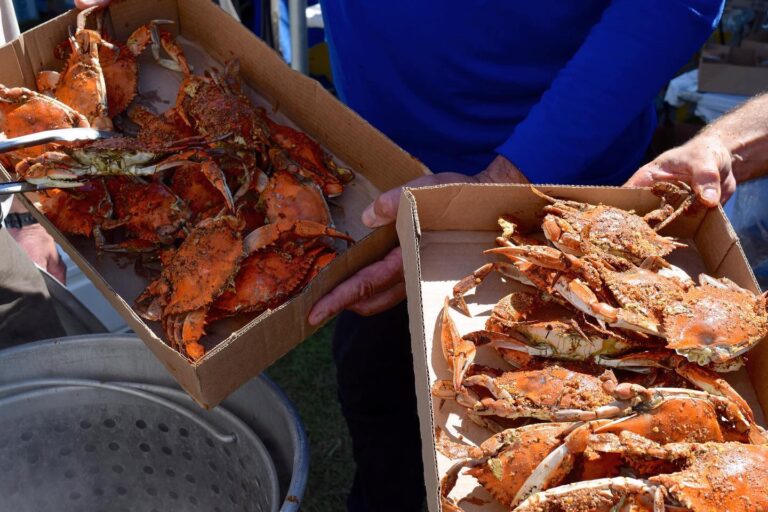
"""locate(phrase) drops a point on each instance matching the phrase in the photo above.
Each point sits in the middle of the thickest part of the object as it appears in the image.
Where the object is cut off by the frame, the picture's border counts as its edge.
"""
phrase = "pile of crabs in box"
(584, 349)
(575, 348)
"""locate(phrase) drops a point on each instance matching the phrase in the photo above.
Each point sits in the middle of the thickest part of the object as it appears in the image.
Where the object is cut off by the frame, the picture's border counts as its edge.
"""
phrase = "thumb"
(644, 177)
(706, 184)
(383, 210)
(84, 4)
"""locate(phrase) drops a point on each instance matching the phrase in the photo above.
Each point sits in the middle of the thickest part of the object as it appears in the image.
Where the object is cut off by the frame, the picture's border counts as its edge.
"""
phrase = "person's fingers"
(382, 301)
(84, 4)
(369, 281)
(383, 210)
(57, 269)
(727, 188)
(706, 183)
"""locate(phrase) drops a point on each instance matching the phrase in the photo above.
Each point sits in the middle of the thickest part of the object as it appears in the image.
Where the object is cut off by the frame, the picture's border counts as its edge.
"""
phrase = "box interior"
(442, 244)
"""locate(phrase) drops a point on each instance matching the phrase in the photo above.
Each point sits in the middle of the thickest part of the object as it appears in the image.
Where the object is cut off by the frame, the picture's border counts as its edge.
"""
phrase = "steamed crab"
(534, 324)
(303, 156)
(518, 462)
(195, 274)
(81, 84)
(711, 322)
(200, 275)
(23, 112)
(546, 390)
(697, 477)
(123, 156)
(215, 106)
(78, 211)
(582, 228)
(100, 78)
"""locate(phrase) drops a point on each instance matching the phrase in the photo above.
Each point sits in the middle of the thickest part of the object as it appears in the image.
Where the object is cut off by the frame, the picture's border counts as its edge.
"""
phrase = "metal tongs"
(46, 137)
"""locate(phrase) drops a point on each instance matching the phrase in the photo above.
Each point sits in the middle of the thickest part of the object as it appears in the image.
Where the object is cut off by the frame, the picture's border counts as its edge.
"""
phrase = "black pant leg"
(376, 390)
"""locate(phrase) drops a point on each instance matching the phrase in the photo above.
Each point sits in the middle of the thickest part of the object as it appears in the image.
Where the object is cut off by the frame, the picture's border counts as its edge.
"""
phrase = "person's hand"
(703, 162)
(380, 286)
(41, 249)
(85, 4)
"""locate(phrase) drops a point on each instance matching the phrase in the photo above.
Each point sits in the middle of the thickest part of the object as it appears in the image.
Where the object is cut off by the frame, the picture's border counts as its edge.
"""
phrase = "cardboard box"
(734, 70)
(443, 232)
(239, 348)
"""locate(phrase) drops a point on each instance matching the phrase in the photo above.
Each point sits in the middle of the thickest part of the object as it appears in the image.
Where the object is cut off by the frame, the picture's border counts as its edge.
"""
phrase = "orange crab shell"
(504, 474)
(732, 477)
(121, 77)
(213, 109)
(291, 197)
(81, 84)
(202, 198)
(78, 211)
(23, 111)
(193, 276)
(269, 278)
(309, 157)
(555, 387)
(158, 130)
(716, 323)
(150, 211)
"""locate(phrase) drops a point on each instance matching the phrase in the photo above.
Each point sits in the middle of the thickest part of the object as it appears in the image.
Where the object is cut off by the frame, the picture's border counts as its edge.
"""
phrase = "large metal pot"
(260, 404)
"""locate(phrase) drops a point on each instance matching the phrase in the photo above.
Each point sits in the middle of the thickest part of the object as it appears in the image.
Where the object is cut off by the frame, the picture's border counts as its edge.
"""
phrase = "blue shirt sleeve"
(627, 58)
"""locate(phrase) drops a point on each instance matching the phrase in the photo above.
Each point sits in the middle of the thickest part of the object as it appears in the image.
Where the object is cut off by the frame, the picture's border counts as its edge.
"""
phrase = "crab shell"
(78, 211)
(730, 476)
(305, 157)
(81, 84)
(149, 211)
(553, 329)
(503, 462)
(714, 477)
(23, 112)
(582, 228)
(268, 278)
(540, 394)
(214, 106)
(715, 322)
(288, 196)
(193, 276)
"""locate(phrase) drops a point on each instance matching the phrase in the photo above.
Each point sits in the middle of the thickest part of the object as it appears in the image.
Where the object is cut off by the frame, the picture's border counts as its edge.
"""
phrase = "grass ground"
(308, 377)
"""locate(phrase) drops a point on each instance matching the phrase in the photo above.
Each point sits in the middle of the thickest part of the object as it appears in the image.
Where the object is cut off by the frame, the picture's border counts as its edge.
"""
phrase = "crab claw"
(459, 353)
(150, 33)
(51, 169)
(269, 234)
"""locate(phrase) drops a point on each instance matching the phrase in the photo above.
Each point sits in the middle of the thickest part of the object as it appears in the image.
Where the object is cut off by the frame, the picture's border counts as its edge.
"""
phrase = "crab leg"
(602, 495)
(478, 276)
(150, 33)
(580, 291)
(703, 378)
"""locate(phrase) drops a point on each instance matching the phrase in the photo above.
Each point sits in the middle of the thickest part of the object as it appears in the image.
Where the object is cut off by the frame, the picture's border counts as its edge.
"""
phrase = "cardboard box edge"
(407, 226)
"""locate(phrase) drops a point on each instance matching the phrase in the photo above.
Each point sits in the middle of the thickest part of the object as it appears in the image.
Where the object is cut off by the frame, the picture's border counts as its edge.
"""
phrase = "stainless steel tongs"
(46, 137)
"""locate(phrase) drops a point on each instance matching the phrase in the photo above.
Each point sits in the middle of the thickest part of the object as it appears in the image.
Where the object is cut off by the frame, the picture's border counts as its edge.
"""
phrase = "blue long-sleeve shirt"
(562, 88)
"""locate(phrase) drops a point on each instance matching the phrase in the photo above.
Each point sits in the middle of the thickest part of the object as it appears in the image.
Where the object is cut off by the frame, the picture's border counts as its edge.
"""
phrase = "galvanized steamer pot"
(95, 422)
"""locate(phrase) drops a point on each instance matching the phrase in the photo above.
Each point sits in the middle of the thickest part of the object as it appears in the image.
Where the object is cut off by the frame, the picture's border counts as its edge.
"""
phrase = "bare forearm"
(744, 132)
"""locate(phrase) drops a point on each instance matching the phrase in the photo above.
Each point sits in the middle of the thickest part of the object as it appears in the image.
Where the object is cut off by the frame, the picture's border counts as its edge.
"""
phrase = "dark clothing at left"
(377, 394)
(26, 312)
